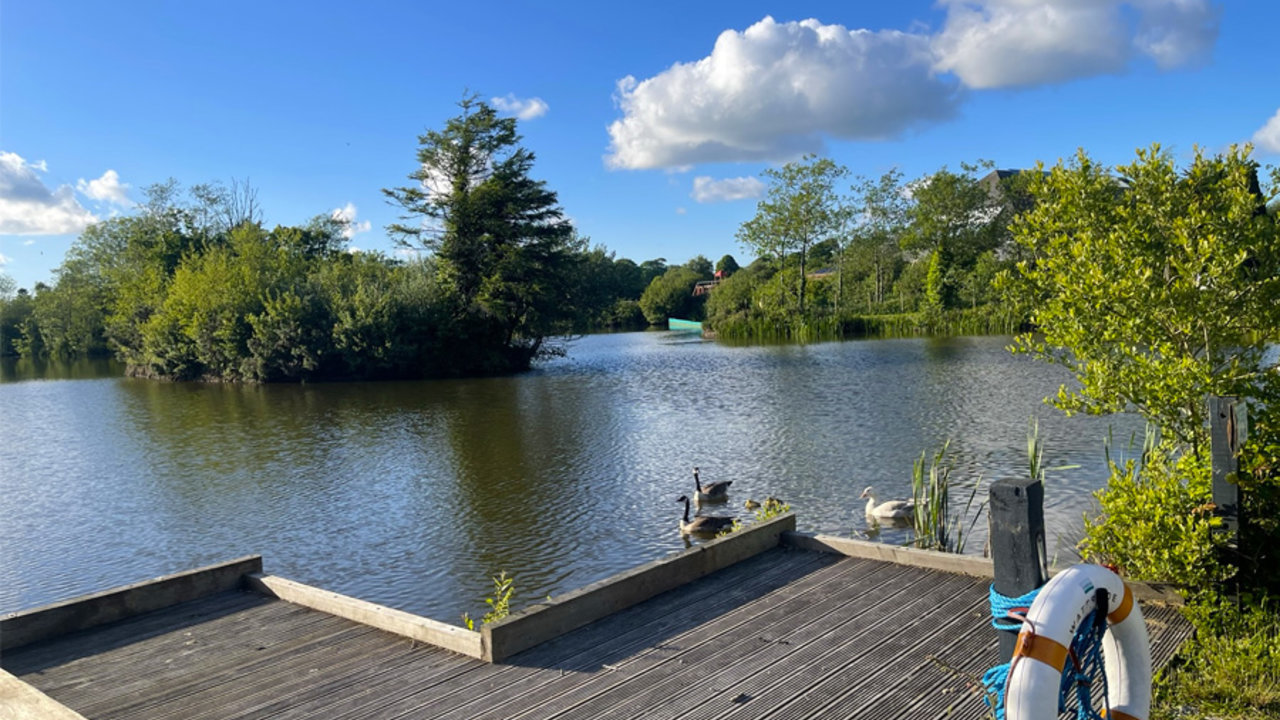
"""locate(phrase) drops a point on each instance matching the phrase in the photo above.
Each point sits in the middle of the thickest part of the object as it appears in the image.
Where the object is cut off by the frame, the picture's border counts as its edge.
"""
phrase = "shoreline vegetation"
(490, 275)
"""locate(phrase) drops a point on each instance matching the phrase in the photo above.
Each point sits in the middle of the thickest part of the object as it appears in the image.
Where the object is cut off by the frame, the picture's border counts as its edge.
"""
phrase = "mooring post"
(1016, 513)
(1228, 428)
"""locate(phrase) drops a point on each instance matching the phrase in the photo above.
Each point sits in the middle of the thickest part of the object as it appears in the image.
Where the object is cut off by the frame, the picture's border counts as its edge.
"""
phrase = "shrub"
(1156, 519)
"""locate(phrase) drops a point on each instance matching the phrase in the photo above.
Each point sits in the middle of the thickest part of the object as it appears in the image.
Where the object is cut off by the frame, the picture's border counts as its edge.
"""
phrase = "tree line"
(848, 254)
(195, 286)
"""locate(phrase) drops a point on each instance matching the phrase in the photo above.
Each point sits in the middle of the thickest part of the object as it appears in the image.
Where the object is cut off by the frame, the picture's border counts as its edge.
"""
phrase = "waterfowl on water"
(701, 525)
(751, 504)
(899, 509)
(714, 492)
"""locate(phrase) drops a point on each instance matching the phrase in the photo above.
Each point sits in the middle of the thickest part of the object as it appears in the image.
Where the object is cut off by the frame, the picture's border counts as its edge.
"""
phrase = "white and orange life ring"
(1041, 653)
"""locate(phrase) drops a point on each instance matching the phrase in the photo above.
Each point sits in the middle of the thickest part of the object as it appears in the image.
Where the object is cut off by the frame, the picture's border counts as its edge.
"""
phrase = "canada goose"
(892, 509)
(713, 492)
(703, 525)
(751, 504)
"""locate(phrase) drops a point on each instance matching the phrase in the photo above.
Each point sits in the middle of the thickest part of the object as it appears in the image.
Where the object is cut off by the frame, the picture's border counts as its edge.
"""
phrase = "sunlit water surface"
(412, 494)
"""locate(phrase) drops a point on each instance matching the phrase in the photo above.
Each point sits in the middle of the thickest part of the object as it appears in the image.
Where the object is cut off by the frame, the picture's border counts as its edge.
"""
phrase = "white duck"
(896, 509)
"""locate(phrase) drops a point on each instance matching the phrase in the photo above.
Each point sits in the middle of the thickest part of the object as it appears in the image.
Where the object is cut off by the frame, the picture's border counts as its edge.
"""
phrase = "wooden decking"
(787, 634)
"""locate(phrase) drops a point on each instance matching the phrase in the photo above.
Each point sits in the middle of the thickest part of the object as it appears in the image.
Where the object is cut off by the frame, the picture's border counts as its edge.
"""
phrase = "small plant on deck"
(772, 508)
(499, 603)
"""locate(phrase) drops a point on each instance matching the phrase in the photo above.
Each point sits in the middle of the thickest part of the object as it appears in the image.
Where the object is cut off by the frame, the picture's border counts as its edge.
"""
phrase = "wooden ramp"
(786, 634)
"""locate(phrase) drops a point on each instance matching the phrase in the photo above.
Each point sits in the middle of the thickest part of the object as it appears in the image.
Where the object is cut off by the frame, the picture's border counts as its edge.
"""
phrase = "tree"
(700, 265)
(881, 208)
(726, 266)
(953, 216)
(1155, 288)
(672, 296)
(800, 209)
(499, 239)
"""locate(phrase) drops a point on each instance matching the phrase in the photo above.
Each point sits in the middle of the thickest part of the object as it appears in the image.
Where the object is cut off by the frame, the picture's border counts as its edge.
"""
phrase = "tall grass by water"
(969, 321)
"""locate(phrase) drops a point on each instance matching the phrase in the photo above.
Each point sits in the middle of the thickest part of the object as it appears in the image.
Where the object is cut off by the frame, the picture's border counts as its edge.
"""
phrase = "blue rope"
(1084, 666)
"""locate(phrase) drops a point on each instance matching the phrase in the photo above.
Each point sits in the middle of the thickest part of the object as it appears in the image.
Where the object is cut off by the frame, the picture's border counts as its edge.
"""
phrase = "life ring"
(1041, 653)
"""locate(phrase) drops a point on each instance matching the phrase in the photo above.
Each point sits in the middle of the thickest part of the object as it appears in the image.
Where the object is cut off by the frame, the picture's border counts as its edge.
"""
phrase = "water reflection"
(413, 494)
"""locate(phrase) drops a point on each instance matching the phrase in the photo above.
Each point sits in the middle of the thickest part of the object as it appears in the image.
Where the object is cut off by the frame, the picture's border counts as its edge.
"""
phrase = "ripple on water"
(413, 494)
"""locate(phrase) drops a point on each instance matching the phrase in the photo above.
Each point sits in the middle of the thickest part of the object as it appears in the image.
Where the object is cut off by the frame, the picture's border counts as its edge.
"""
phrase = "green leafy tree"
(727, 266)
(651, 269)
(880, 207)
(499, 239)
(800, 209)
(954, 219)
(1154, 287)
(672, 296)
(700, 265)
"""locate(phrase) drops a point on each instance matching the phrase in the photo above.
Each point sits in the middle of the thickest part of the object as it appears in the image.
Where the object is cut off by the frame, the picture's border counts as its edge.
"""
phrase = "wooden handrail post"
(1228, 428)
(1016, 513)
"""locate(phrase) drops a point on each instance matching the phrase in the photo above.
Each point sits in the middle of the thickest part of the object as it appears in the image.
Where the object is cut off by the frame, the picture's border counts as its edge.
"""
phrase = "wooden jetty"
(764, 623)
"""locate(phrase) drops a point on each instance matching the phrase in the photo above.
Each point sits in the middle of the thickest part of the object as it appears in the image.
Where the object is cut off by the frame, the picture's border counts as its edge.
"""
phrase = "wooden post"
(1016, 513)
(1228, 428)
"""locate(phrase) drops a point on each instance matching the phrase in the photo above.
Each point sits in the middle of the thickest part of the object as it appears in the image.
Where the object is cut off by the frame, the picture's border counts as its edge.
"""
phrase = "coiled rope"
(1078, 676)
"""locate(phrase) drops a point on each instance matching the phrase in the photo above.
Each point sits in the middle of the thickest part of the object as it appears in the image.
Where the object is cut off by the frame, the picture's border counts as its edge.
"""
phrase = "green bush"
(1156, 520)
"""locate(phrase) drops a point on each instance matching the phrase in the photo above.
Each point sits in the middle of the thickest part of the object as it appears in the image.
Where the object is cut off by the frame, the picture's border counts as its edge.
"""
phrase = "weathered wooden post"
(1228, 428)
(1016, 512)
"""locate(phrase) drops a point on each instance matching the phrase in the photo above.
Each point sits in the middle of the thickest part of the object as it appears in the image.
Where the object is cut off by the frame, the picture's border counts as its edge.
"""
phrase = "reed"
(751, 330)
(936, 525)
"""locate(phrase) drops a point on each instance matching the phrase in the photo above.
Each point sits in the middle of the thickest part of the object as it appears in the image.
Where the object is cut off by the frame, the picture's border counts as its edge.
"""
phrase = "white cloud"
(522, 109)
(707, 190)
(347, 216)
(1011, 43)
(774, 91)
(27, 207)
(1268, 136)
(681, 211)
(5, 260)
(107, 188)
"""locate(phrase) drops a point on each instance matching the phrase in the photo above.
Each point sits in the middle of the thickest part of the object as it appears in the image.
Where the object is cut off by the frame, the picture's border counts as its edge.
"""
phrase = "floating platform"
(762, 623)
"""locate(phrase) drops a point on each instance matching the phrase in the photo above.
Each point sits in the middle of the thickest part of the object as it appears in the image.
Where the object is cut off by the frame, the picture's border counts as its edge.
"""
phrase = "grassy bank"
(762, 330)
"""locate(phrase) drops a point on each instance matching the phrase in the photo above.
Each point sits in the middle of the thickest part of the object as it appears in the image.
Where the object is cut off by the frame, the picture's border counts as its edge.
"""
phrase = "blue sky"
(652, 121)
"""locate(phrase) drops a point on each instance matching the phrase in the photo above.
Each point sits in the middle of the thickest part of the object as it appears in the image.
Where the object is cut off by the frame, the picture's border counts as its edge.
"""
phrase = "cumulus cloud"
(774, 91)
(1019, 43)
(107, 188)
(5, 260)
(522, 109)
(1268, 136)
(28, 207)
(707, 190)
(778, 90)
(347, 216)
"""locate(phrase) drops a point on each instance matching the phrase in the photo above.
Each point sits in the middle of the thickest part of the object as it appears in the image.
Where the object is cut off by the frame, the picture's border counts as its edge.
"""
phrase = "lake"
(413, 494)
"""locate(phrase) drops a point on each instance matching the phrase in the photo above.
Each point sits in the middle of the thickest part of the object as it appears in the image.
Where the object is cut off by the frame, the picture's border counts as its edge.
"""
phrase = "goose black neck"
(686, 511)
(696, 482)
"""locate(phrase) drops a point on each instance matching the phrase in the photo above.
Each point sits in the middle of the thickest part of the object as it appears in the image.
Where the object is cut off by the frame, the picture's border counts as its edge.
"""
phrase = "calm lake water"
(412, 494)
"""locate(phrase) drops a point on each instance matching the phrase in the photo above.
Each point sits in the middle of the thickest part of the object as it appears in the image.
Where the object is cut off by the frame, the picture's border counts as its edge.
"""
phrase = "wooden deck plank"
(218, 676)
(620, 635)
(171, 654)
(66, 649)
(834, 674)
(788, 635)
(510, 702)
(838, 635)
(745, 634)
